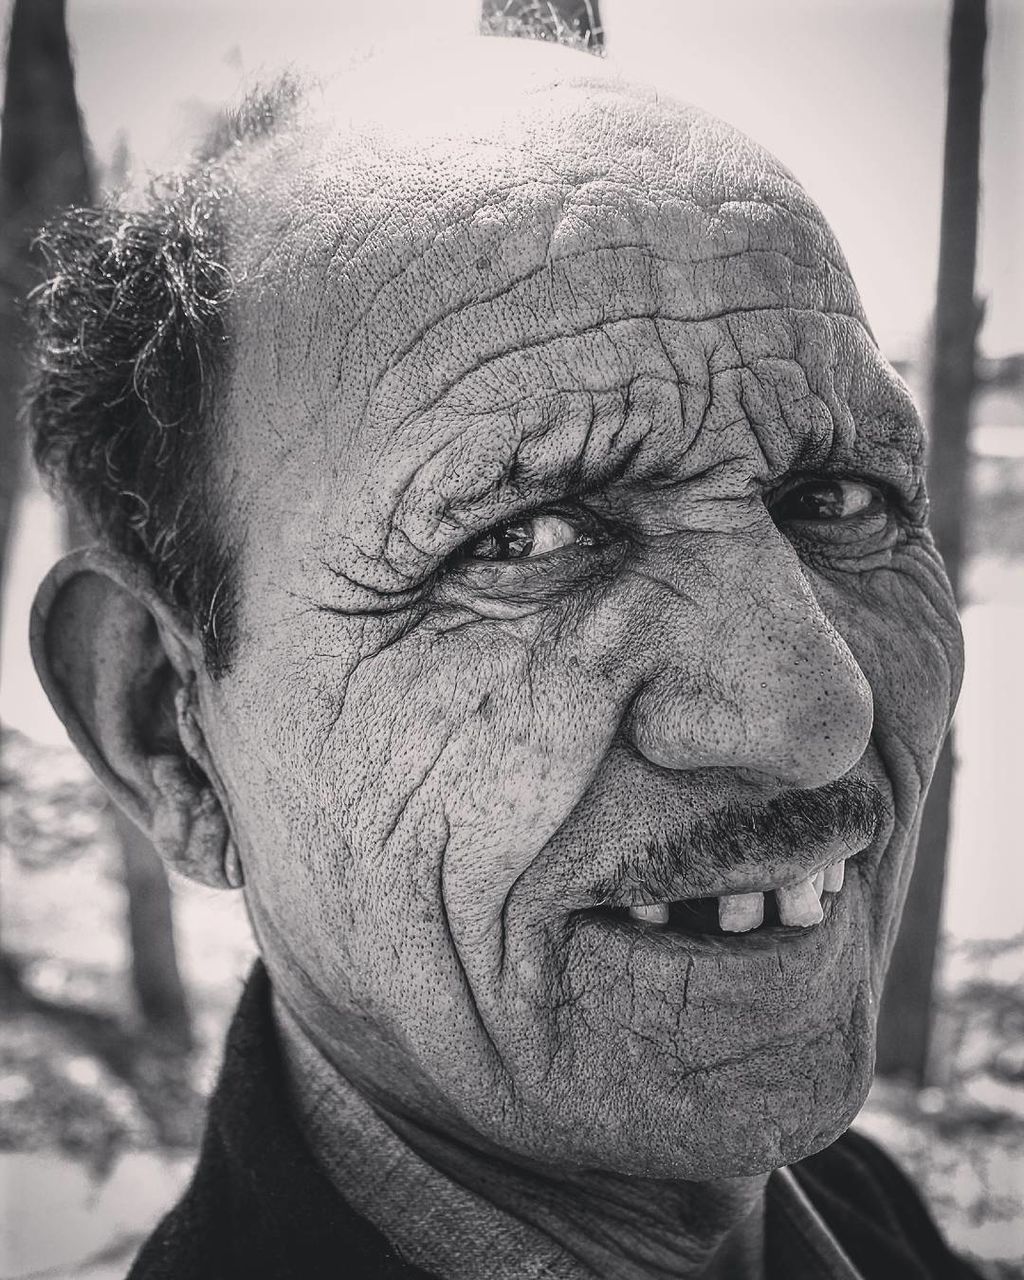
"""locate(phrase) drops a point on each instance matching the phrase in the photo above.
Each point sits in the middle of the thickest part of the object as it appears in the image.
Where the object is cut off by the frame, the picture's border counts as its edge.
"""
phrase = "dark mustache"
(848, 808)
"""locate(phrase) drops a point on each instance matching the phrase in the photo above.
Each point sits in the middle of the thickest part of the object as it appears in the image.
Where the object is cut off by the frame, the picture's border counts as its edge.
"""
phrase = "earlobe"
(120, 668)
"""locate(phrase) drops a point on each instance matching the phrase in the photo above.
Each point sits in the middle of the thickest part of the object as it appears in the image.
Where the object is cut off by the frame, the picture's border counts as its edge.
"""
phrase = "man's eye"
(826, 500)
(527, 539)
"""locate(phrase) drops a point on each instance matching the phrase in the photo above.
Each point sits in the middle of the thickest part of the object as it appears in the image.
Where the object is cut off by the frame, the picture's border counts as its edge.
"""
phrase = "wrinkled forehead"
(522, 244)
(460, 181)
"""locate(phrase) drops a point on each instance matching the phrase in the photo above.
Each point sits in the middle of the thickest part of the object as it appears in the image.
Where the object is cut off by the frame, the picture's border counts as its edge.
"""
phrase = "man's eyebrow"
(524, 486)
(889, 440)
(892, 443)
(461, 509)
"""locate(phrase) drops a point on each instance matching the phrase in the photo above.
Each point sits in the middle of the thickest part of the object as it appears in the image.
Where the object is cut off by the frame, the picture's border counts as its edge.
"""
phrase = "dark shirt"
(259, 1207)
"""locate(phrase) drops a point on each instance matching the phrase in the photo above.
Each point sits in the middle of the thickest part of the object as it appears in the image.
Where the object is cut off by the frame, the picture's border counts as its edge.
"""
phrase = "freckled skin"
(590, 292)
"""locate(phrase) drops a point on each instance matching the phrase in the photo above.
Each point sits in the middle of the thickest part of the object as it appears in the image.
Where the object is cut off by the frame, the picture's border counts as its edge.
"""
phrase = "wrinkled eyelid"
(909, 501)
(914, 502)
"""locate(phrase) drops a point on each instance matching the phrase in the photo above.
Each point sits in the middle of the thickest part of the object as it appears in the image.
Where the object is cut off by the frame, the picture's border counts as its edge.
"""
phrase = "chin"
(762, 1124)
(740, 1120)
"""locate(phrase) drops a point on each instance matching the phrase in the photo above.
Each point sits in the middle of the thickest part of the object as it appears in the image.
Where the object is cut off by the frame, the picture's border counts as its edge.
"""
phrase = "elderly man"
(513, 570)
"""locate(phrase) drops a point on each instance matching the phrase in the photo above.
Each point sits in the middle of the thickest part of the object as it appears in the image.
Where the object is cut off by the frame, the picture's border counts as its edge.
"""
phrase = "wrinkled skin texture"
(587, 297)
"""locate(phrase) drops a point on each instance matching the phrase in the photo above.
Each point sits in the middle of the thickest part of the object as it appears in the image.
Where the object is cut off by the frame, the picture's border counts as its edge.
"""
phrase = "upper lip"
(638, 884)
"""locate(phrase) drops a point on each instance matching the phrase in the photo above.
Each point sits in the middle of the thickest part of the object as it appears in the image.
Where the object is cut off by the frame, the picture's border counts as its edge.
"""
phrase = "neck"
(617, 1225)
(612, 1225)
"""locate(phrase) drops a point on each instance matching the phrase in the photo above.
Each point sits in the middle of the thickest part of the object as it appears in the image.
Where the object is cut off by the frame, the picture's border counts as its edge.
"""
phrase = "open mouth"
(792, 907)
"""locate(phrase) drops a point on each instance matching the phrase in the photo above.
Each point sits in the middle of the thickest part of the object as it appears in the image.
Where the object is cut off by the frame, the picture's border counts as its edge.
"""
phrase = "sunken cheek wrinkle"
(534, 723)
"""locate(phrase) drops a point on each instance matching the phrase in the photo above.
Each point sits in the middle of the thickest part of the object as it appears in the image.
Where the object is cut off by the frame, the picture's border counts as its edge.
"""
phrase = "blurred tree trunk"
(156, 978)
(44, 166)
(906, 1015)
(581, 17)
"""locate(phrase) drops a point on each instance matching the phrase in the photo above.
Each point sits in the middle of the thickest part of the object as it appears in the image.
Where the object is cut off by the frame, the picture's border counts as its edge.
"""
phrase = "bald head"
(488, 130)
(394, 235)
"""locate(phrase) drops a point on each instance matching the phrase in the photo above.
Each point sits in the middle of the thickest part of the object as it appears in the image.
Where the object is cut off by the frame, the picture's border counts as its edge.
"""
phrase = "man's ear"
(120, 669)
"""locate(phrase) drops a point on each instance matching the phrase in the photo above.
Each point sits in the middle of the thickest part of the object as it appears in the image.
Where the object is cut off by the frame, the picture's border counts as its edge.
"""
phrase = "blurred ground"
(98, 1124)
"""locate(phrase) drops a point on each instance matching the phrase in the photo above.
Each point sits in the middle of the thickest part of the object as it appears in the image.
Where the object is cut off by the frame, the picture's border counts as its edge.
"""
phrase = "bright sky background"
(849, 93)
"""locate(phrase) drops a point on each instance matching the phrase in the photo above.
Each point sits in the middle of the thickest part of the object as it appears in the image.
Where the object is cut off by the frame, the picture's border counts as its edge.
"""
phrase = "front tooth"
(818, 880)
(834, 876)
(653, 913)
(798, 904)
(740, 912)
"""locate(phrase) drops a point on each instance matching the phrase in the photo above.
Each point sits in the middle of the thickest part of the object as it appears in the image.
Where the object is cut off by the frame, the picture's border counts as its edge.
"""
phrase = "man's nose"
(747, 672)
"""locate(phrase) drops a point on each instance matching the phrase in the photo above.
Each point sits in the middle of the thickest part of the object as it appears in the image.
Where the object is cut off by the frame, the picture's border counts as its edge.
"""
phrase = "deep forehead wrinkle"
(455, 296)
(569, 169)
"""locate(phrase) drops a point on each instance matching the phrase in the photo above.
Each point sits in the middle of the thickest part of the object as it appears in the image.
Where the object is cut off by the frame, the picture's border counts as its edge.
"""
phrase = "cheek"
(906, 641)
(490, 742)
(410, 790)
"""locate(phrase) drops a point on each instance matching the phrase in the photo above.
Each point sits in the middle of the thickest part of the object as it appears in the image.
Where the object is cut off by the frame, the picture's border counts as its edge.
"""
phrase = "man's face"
(581, 564)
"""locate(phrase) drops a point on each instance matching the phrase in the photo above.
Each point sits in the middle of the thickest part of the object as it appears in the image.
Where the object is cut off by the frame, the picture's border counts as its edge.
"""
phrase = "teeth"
(740, 912)
(834, 876)
(799, 904)
(655, 913)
